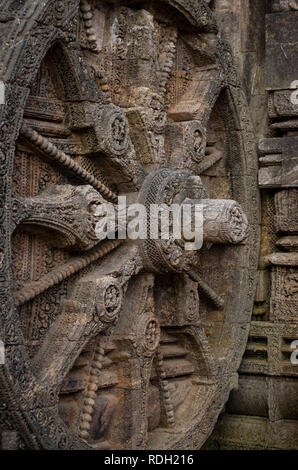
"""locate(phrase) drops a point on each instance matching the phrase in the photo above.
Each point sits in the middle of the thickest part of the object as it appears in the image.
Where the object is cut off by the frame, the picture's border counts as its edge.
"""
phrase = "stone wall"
(263, 412)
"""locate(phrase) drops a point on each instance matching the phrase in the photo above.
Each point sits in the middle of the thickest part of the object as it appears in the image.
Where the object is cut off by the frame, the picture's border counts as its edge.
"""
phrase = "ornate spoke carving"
(93, 307)
(67, 211)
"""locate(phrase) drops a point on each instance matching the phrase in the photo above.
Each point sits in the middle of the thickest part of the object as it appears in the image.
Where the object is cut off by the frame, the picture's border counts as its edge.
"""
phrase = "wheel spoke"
(207, 290)
(93, 307)
(32, 289)
(43, 145)
(137, 336)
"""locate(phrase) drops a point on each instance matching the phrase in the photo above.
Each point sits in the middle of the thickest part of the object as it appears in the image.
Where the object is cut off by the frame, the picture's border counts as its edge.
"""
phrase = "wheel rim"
(206, 350)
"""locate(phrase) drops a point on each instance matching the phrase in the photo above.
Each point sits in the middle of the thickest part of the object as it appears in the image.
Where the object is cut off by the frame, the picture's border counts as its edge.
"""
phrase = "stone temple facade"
(143, 344)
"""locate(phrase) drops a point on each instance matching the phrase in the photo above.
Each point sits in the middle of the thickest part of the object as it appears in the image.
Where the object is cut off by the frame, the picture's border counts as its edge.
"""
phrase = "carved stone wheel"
(116, 344)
